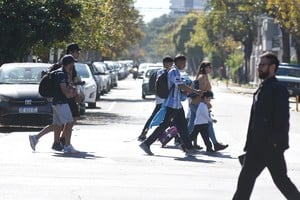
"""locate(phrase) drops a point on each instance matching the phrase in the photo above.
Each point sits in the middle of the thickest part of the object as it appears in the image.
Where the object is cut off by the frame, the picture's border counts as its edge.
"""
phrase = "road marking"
(111, 106)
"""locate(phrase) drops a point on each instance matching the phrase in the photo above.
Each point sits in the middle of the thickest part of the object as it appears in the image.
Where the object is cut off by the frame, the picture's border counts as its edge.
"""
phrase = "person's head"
(74, 50)
(168, 62)
(180, 61)
(68, 62)
(267, 66)
(206, 96)
(204, 68)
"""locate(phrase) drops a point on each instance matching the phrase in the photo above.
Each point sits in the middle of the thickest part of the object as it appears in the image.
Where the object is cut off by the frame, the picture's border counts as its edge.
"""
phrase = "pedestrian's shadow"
(82, 155)
(188, 159)
(217, 154)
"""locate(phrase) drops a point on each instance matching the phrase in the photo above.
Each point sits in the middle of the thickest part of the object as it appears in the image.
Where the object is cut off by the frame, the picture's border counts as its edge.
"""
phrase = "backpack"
(162, 89)
(152, 83)
(46, 85)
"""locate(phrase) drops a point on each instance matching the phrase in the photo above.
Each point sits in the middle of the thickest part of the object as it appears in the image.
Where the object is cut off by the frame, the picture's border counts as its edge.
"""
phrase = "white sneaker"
(70, 149)
(33, 141)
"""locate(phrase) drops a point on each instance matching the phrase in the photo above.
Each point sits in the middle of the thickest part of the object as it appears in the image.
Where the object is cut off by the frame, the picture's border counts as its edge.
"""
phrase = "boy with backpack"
(167, 63)
(174, 110)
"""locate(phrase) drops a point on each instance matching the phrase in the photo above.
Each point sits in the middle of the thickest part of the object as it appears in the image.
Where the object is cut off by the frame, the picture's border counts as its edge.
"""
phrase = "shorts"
(74, 107)
(62, 114)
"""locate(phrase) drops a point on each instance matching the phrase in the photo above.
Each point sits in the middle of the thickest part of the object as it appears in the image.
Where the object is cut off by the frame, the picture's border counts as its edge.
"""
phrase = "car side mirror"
(80, 83)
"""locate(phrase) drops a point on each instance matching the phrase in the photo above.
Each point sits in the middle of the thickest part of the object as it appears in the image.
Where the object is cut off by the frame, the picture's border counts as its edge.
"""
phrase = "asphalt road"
(111, 166)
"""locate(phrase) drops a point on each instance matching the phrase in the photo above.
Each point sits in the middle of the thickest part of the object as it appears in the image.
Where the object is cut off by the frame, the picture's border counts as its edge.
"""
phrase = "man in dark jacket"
(267, 136)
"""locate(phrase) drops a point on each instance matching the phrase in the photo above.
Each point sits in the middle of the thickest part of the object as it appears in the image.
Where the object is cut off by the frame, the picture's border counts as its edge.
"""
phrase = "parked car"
(143, 67)
(289, 75)
(20, 101)
(113, 68)
(99, 79)
(90, 86)
(145, 84)
(106, 77)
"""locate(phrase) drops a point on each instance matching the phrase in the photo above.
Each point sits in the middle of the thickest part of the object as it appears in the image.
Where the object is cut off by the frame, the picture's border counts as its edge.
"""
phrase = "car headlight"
(4, 99)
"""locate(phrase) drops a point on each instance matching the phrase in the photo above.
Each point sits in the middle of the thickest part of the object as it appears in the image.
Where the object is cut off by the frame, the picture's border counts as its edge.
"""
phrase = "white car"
(90, 86)
(102, 68)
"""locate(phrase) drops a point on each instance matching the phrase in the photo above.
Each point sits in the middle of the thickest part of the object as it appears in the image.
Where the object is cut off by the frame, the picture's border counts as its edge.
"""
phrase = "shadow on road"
(82, 155)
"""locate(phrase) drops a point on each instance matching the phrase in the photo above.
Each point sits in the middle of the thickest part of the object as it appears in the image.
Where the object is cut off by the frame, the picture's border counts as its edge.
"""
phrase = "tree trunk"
(286, 56)
(247, 56)
(297, 47)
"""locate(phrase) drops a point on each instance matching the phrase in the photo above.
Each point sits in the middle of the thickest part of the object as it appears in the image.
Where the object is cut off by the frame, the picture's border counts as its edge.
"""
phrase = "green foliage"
(26, 22)
(233, 62)
(158, 38)
(107, 26)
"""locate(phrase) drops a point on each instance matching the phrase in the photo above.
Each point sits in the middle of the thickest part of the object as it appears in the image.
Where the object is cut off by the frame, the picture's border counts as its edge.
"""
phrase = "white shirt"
(202, 114)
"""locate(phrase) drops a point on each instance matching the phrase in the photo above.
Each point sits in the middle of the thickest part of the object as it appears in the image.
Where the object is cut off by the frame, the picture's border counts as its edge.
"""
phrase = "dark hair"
(202, 66)
(73, 47)
(168, 59)
(207, 94)
(179, 57)
(272, 59)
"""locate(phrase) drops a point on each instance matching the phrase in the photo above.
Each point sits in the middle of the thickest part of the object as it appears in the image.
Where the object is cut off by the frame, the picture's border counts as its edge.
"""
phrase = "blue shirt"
(60, 76)
(174, 98)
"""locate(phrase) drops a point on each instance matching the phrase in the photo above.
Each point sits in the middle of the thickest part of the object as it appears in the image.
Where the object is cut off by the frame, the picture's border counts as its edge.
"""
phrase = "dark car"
(20, 101)
(289, 75)
(145, 84)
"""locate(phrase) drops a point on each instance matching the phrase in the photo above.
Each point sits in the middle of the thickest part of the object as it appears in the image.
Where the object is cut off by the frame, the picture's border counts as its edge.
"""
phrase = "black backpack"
(152, 83)
(47, 84)
(162, 89)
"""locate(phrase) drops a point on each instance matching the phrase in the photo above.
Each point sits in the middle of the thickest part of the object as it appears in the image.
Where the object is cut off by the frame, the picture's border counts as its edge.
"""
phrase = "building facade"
(183, 7)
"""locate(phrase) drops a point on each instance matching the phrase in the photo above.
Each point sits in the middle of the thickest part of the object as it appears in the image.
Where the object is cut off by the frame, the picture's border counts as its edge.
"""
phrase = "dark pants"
(203, 129)
(174, 117)
(256, 160)
(146, 127)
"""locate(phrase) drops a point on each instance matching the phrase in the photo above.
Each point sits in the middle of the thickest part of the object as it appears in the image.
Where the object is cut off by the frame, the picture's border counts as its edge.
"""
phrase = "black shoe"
(146, 148)
(198, 147)
(57, 146)
(142, 138)
(62, 141)
(210, 150)
(219, 146)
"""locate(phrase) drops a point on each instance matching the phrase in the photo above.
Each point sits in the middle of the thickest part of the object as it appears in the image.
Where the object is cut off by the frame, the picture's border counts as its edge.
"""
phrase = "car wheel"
(143, 96)
(92, 105)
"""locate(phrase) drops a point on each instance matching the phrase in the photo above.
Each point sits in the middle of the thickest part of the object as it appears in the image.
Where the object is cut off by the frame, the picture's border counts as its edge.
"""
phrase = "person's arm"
(189, 89)
(69, 93)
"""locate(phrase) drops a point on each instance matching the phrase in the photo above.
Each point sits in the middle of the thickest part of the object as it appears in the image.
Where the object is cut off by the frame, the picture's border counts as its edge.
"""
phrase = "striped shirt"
(174, 79)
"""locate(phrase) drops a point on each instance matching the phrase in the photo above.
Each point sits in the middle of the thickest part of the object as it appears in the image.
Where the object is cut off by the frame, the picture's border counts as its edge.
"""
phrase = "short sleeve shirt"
(174, 79)
(60, 77)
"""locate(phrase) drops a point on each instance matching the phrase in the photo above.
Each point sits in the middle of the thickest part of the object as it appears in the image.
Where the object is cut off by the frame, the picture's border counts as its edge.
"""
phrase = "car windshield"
(282, 71)
(20, 75)
(82, 70)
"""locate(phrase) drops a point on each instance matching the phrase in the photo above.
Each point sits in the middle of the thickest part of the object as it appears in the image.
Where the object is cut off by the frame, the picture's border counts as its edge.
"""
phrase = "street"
(111, 166)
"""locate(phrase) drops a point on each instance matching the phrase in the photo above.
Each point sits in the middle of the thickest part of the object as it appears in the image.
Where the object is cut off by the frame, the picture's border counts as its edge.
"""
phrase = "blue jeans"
(211, 132)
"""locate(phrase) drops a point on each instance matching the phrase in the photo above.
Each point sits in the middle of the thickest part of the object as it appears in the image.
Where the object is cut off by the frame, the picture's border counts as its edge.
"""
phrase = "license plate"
(28, 110)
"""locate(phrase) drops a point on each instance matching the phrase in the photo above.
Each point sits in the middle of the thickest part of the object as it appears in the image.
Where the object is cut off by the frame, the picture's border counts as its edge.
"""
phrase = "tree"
(25, 23)
(108, 26)
(237, 20)
(287, 15)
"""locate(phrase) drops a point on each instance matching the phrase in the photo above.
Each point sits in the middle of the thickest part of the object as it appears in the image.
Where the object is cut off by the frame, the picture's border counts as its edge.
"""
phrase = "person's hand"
(199, 92)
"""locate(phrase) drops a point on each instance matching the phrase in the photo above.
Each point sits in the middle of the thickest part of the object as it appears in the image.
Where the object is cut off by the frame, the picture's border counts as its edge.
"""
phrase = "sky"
(151, 9)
